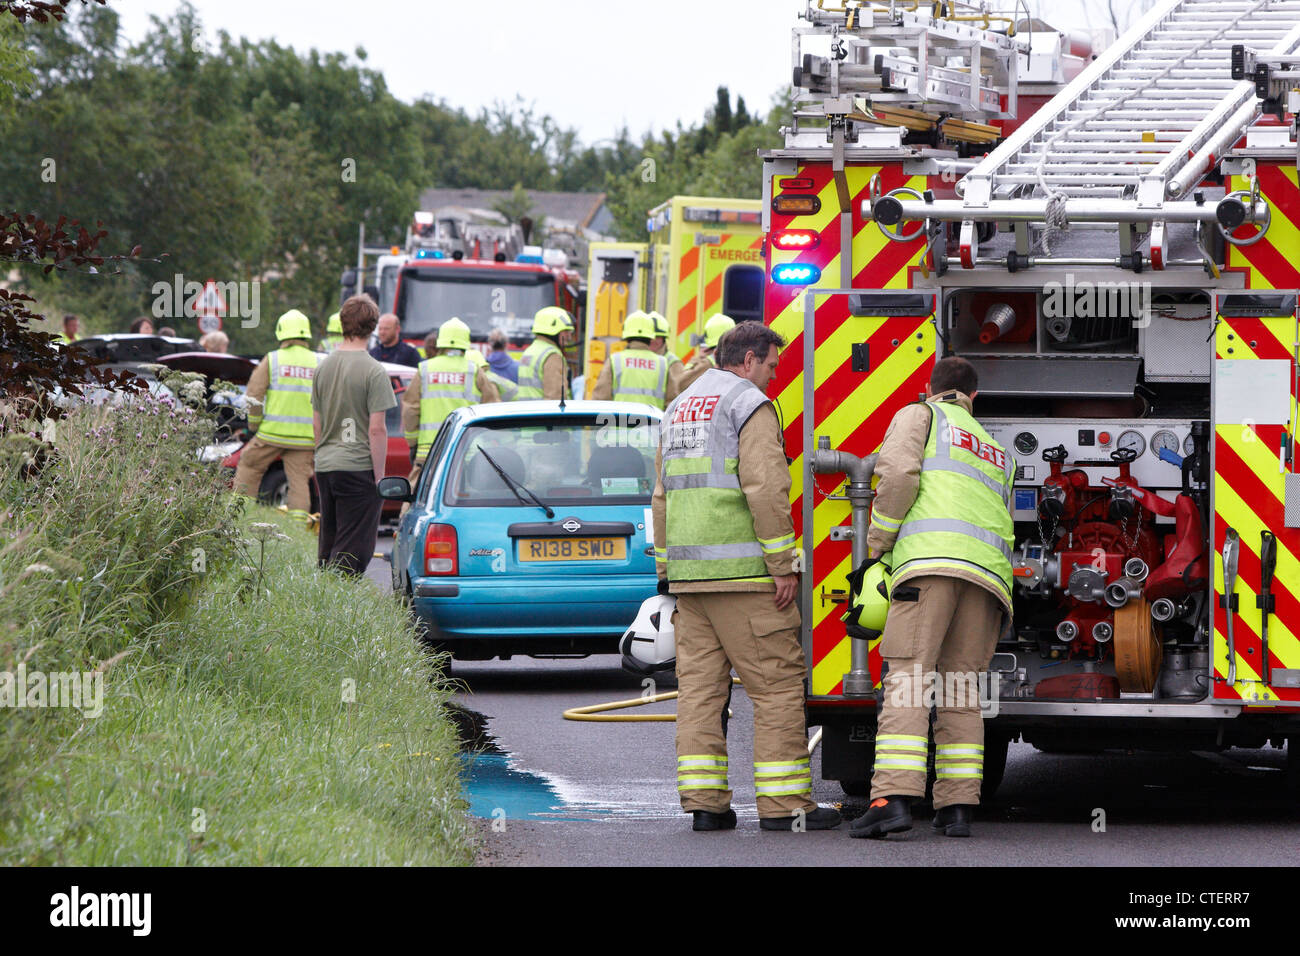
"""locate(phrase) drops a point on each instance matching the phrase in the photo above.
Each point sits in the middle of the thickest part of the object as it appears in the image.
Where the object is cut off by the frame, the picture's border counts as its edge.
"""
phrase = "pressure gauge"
(1189, 445)
(1026, 443)
(1133, 441)
(1164, 439)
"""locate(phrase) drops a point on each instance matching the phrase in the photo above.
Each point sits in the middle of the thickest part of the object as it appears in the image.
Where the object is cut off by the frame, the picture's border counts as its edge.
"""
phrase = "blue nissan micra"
(529, 529)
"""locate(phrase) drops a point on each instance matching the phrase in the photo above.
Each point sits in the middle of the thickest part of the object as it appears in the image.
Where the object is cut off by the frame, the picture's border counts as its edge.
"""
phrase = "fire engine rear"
(1112, 241)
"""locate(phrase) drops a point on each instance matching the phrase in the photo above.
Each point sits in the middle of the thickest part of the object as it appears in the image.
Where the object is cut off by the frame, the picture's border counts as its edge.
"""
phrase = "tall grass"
(285, 718)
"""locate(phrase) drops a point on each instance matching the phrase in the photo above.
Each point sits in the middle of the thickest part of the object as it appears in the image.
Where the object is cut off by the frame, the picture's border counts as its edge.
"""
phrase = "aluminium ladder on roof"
(1148, 118)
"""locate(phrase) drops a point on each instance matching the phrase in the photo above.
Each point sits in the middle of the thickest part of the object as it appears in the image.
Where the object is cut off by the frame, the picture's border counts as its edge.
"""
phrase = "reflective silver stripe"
(700, 480)
(292, 388)
(785, 786)
(294, 419)
(780, 769)
(959, 772)
(701, 762)
(430, 426)
(714, 552)
(903, 747)
(954, 526)
(701, 783)
(902, 763)
(970, 471)
(959, 749)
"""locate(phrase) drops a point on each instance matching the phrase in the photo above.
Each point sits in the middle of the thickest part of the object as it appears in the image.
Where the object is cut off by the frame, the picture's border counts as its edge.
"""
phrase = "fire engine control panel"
(1159, 447)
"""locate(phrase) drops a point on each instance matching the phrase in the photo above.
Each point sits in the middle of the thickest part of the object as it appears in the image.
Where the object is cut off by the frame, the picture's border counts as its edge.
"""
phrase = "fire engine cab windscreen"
(483, 299)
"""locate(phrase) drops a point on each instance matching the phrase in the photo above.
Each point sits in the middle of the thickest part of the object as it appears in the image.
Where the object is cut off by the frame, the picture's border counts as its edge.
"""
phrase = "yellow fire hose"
(597, 712)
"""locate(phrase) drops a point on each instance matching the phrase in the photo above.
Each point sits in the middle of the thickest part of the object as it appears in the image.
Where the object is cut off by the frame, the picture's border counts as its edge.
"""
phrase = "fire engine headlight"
(795, 273)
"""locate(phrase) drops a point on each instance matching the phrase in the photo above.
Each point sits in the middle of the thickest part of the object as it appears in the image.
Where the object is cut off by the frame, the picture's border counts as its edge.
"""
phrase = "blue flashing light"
(531, 260)
(430, 254)
(796, 273)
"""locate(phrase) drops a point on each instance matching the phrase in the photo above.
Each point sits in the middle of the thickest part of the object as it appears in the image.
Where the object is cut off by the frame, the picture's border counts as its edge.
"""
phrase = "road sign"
(210, 307)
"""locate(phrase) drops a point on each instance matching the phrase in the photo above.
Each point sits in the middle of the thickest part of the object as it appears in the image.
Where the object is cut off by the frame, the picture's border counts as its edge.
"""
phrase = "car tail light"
(440, 553)
(795, 239)
(796, 205)
(797, 183)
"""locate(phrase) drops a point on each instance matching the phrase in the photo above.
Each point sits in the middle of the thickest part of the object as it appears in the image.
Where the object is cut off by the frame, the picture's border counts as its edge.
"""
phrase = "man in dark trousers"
(350, 395)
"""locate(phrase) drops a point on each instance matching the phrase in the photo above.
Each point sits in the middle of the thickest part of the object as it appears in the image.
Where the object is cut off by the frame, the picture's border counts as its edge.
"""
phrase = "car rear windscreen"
(605, 459)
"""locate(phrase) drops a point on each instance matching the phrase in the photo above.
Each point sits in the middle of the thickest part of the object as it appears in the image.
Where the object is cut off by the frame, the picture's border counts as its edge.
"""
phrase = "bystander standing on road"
(390, 347)
(499, 358)
(350, 395)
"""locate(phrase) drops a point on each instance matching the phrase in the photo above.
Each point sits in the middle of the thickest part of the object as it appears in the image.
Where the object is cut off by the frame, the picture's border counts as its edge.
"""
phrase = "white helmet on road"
(650, 644)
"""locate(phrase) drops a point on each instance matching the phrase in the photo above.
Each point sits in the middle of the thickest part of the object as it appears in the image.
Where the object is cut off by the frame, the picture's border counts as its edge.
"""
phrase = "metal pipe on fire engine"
(1162, 610)
(1122, 590)
(1102, 632)
(857, 682)
(891, 210)
(1135, 569)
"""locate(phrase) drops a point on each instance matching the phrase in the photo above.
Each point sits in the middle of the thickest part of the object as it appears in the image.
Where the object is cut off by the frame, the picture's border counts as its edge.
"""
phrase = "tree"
(32, 365)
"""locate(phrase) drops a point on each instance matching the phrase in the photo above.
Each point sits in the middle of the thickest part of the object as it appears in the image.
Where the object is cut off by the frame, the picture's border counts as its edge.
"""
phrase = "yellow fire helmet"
(661, 324)
(552, 320)
(453, 334)
(714, 329)
(292, 325)
(638, 325)
(335, 325)
(872, 602)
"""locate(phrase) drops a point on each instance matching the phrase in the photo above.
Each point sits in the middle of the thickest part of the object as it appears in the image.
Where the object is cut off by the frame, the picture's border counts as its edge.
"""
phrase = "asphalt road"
(556, 792)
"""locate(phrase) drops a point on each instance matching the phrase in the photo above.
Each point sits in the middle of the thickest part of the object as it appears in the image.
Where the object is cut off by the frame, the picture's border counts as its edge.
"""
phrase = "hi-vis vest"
(447, 382)
(964, 473)
(507, 389)
(710, 531)
(640, 376)
(530, 367)
(287, 417)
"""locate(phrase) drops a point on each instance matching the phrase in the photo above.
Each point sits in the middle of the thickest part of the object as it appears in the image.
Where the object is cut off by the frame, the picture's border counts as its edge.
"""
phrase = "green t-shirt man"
(348, 388)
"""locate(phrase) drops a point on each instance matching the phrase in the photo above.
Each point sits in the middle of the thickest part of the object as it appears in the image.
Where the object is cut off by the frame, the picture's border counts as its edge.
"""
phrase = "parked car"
(529, 530)
(274, 489)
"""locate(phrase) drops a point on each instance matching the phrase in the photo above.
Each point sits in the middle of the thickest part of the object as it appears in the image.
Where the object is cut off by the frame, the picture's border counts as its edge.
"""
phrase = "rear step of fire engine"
(1123, 145)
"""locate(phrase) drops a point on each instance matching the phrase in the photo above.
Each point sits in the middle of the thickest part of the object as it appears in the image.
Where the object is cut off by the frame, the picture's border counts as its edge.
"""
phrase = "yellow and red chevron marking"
(1248, 497)
(852, 409)
(1274, 261)
(706, 265)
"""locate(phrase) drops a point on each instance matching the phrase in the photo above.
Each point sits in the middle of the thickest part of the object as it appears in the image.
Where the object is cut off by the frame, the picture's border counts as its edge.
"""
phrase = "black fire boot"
(954, 820)
(822, 818)
(892, 814)
(708, 820)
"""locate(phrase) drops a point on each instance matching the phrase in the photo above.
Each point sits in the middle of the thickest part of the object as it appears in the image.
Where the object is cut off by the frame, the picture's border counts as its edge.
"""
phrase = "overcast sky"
(592, 64)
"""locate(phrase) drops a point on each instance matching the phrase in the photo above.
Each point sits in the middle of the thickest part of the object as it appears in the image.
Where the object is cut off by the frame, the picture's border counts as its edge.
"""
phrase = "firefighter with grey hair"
(725, 548)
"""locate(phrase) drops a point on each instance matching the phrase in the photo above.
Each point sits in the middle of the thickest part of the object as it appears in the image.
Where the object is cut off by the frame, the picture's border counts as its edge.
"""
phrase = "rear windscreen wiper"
(516, 486)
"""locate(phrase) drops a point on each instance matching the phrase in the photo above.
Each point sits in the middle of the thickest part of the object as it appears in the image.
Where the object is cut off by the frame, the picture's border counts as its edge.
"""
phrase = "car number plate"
(572, 549)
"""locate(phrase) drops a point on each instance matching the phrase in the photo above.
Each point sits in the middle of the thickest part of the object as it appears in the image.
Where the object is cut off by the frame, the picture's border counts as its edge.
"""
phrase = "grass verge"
(275, 716)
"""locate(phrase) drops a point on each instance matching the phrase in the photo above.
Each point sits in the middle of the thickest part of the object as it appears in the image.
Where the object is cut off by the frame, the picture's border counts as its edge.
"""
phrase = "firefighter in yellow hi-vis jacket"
(451, 379)
(714, 329)
(279, 410)
(724, 543)
(941, 520)
(636, 374)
